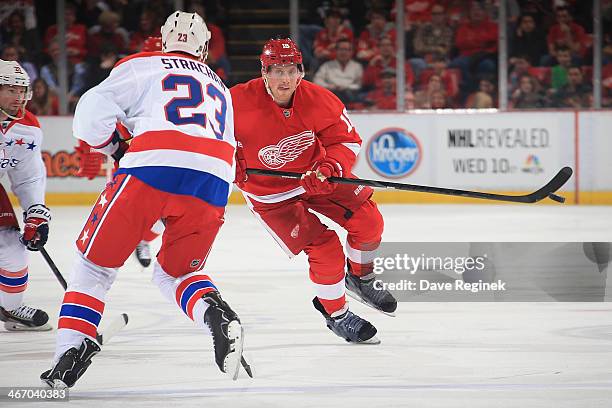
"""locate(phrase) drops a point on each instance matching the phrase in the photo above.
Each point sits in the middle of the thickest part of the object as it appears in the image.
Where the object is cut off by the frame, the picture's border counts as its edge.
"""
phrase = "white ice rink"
(443, 355)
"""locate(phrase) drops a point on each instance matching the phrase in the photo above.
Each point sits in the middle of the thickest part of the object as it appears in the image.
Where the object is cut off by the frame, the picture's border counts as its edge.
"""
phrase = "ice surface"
(432, 354)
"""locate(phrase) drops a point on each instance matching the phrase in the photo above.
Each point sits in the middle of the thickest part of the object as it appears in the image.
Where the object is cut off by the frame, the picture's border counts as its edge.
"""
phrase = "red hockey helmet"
(281, 51)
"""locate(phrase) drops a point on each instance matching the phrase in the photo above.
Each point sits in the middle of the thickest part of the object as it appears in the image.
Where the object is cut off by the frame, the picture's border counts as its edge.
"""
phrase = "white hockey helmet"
(13, 74)
(185, 32)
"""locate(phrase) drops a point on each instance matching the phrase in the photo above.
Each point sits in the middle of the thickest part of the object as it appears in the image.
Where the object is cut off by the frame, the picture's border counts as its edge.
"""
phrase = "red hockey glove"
(315, 181)
(241, 175)
(36, 227)
(90, 163)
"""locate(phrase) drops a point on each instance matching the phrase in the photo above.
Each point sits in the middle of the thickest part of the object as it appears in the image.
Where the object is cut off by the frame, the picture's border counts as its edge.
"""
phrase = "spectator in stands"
(476, 41)
(485, 87)
(435, 37)
(424, 97)
(379, 27)
(149, 27)
(343, 75)
(438, 100)
(107, 34)
(76, 37)
(217, 55)
(44, 102)
(528, 40)
(480, 100)
(576, 93)
(11, 53)
(100, 67)
(559, 72)
(326, 39)
(18, 35)
(416, 12)
(384, 97)
(77, 76)
(90, 10)
(606, 84)
(450, 77)
(527, 94)
(566, 33)
(385, 59)
(519, 65)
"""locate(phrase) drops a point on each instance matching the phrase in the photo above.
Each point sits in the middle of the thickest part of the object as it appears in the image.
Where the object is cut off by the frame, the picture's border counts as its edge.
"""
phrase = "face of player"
(283, 80)
(11, 99)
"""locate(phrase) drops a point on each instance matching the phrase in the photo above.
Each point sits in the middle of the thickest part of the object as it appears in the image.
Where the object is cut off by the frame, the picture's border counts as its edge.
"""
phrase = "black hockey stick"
(547, 190)
(113, 328)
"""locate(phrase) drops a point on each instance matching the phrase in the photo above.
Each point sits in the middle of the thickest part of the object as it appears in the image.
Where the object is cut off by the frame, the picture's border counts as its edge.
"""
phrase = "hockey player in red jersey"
(284, 122)
(178, 168)
(21, 160)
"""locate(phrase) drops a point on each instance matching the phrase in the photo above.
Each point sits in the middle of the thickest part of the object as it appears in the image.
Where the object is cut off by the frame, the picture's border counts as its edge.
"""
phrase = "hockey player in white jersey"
(21, 160)
(178, 168)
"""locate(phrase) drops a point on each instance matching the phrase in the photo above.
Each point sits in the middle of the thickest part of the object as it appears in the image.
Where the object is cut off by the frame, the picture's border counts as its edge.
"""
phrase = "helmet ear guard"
(13, 74)
(185, 32)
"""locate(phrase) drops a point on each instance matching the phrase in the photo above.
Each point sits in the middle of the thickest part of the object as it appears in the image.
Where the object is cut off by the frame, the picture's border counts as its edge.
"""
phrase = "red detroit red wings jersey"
(290, 139)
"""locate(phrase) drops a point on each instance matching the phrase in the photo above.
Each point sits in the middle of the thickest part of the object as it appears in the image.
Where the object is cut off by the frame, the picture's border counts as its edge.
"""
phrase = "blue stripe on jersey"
(191, 289)
(81, 312)
(204, 186)
(13, 281)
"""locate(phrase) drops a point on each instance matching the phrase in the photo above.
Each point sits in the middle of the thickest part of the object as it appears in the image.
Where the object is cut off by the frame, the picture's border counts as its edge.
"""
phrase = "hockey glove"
(241, 175)
(36, 227)
(315, 181)
(90, 162)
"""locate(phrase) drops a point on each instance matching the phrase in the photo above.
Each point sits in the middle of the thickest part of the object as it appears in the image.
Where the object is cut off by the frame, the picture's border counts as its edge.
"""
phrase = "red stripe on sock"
(83, 299)
(183, 285)
(13, 289)
(18, 274)
(79, 325)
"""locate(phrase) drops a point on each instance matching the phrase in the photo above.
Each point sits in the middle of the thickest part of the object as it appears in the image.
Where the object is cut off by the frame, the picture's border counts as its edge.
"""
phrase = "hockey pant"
(125, 210)
(295, 228)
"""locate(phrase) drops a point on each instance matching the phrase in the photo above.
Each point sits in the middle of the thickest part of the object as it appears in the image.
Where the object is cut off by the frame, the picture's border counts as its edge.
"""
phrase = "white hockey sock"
(83, 304)
(186, 292)
(12, 288)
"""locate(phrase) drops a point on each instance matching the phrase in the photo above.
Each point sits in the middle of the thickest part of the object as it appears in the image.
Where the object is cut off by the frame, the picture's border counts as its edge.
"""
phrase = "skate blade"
(231, 364)
(371, 340)
(18, 327)
(363, 302)
(54, 384)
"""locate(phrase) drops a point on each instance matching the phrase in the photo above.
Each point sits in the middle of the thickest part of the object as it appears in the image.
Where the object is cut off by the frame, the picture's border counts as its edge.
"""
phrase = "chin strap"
(22, 110)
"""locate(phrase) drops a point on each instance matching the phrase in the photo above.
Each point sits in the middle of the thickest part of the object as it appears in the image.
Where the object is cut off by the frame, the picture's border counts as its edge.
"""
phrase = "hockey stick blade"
(553, 185)
(112, 329)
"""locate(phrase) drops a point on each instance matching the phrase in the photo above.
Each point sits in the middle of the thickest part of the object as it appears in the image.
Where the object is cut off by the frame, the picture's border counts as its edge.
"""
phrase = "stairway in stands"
(250, 24)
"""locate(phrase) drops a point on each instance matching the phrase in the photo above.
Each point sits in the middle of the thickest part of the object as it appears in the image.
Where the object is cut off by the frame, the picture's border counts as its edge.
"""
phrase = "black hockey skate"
(227, 334)
(71, 365)
(143, 253)
(25, 318)
(363, 291)
(349, 326)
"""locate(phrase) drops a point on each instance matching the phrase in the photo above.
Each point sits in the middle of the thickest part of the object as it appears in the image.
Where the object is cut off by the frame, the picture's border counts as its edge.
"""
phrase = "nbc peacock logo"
(533, 165)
